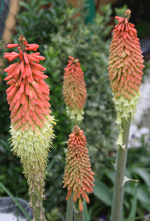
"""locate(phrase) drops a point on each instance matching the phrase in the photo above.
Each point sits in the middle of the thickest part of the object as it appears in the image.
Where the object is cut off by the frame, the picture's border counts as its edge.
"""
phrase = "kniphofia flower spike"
(74, 90)
(125, 67)
(31, 122)
(78, 176)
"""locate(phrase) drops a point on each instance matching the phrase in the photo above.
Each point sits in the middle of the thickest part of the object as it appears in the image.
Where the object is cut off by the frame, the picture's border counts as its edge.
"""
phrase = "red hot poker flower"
(74, 89)
(125, 67)
(31, 122)
(28, 94)
(78, 176)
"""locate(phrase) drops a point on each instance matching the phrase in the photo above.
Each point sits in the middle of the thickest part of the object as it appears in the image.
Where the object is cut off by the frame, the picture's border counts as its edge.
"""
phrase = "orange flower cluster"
(78, 175)
(74, 90)
(28, 94)
(125, 65)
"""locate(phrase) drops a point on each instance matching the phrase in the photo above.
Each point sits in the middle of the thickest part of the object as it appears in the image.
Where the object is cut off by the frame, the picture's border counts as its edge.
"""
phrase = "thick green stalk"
(36, 190)
(70, 208)
(116, 213)
(78, 216)
(38, 210)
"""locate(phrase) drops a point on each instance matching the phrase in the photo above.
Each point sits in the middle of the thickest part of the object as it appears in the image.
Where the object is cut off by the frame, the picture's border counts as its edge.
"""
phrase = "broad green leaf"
(143, 174)
(134, 202)
(111, 174)
(102, 192)
(24, 4)
(87, 214)
(143, 197)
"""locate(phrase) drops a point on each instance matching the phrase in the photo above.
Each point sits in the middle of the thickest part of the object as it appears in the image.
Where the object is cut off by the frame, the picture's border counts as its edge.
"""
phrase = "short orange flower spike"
(28, 94)
(125, 67)
(74, 89)
(78, 175)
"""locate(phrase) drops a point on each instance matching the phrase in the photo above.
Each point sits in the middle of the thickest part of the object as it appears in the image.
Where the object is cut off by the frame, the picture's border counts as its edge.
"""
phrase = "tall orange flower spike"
(74, 90)
(125, 67)
(78, 176)
(31, 122)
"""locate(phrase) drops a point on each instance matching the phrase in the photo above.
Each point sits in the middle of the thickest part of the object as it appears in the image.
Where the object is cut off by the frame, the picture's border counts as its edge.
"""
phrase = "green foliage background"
(51, 25)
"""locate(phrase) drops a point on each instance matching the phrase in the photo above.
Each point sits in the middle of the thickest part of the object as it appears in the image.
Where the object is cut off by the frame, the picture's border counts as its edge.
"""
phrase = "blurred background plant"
(59, 32)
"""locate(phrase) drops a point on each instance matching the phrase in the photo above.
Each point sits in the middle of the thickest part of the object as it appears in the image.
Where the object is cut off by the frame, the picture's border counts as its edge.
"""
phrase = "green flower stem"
(70, 203)
(38, 210)
(78, 216)
(116, 213)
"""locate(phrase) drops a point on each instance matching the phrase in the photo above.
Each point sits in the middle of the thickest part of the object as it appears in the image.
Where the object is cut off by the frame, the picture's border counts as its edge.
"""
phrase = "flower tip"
(128, 13)
(22, 39)
(76, 61)
(76, 130)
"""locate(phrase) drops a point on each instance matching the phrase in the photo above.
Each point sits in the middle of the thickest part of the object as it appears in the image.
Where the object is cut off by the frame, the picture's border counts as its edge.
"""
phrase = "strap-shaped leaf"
(102, 192)
(143, 174)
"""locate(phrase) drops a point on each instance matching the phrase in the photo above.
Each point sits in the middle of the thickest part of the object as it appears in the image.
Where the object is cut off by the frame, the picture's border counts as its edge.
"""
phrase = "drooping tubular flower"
(78, 176)
(31, 122)
(125, 67)
(74, 89)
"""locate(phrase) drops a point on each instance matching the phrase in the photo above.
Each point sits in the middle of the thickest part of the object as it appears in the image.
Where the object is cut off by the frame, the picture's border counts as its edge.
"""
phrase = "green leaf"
(87, 214)
(33, 3)
(106, 8)
(15, 200)
(3, 144)
(24, 19)
(102, 192)
(143, 174)
(134, 202)
(143, 197)
(25, 5)
(111, 174)
(121, 11)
